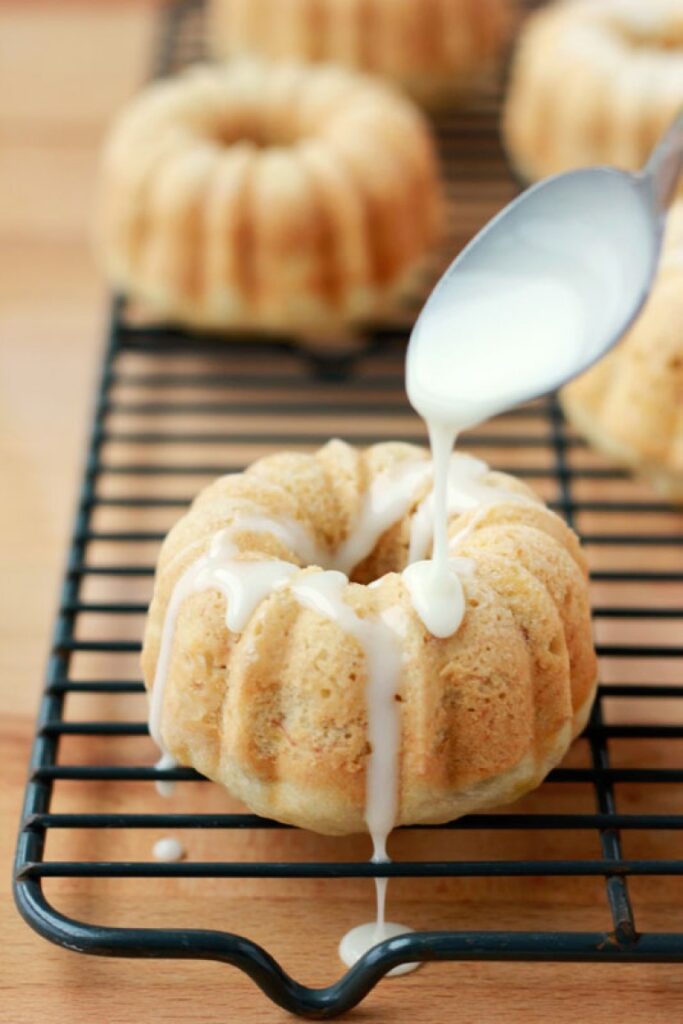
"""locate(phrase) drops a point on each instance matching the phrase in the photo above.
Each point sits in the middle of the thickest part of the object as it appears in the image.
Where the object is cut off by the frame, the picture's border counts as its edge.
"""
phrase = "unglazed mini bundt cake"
(593, 83)
(631, 404)
(269, 669)
(432, 48)
(281, 197)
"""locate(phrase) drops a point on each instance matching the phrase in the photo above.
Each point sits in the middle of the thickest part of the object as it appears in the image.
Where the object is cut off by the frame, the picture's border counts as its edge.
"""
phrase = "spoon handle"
(663, 169)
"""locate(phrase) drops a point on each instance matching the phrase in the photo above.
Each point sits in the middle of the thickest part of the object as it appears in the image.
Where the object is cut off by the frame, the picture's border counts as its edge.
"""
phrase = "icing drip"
(442, 440)
(323, 593)
(460, 485)
(379, 638)
(466, 488)
(166, 762)
(434, 587)
(438, 599)
(387, 500)
(243, 582)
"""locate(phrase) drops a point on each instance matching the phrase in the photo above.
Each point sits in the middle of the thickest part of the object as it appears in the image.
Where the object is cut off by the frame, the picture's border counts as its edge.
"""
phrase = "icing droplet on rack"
(168, 850)
(363, 937)
(243, 582)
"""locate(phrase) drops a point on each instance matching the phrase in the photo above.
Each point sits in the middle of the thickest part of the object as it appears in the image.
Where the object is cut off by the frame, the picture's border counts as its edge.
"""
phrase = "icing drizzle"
(323, 592)
(434, 588)
(243, 582)
(466, 488)
(386, 502)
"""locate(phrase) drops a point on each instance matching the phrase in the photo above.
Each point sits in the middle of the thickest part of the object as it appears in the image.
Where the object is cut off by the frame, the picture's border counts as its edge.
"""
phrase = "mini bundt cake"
(282, 635)
(630, 405)
(432, 48)
(278, 197)
(593, 83)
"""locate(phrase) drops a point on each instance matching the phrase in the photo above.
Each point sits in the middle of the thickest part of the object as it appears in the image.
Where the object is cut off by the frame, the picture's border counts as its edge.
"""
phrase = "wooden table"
(63, 69)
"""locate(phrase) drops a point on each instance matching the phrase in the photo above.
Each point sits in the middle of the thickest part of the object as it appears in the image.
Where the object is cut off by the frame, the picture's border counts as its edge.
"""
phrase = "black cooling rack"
(172, 412)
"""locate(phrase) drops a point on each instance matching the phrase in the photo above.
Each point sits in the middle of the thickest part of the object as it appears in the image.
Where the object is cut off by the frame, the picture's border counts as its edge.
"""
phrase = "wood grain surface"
(64, 67)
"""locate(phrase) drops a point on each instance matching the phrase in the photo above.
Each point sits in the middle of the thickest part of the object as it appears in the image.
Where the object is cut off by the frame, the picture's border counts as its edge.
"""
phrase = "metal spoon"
(592, 237)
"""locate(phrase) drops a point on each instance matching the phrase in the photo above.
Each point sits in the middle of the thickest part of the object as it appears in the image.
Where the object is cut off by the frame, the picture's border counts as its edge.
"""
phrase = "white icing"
(442, 439)
(395, 617)
(437, 598)
(519, 311)
(466, 489)
(539, 295)
(166, 762)
(323, 592)
(363, 937)
(292, 534)
(386, 501)
(434, 587)
(243, 582)
(457, 393)
(168, 850)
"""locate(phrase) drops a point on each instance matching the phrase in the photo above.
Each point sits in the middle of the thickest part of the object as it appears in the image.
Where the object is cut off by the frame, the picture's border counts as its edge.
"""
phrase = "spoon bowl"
(544, 290)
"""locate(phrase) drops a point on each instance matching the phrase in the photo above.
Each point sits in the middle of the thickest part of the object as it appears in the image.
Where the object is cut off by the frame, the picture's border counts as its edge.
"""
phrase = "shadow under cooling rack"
(172, 412)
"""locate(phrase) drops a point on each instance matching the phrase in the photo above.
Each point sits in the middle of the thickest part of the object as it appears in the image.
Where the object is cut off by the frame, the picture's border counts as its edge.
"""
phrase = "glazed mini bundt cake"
(630, 405)
(277, 197)
(432, 48)
(282, 635)
(593, 83)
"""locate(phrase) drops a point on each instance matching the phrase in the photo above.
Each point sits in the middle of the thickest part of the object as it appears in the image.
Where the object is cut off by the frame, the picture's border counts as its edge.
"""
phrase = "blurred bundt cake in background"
(630, 405)
(281, 197)
(432, 48)
(593, 83)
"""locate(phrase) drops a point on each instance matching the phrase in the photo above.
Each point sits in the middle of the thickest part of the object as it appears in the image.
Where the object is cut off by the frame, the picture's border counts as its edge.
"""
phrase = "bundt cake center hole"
(365, 574)
(255, 134)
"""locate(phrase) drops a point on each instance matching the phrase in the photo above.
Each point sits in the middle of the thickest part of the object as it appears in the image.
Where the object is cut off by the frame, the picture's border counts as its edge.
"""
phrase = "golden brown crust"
(269, 197)
(434, 49)
(278, 712)
(593, 83)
